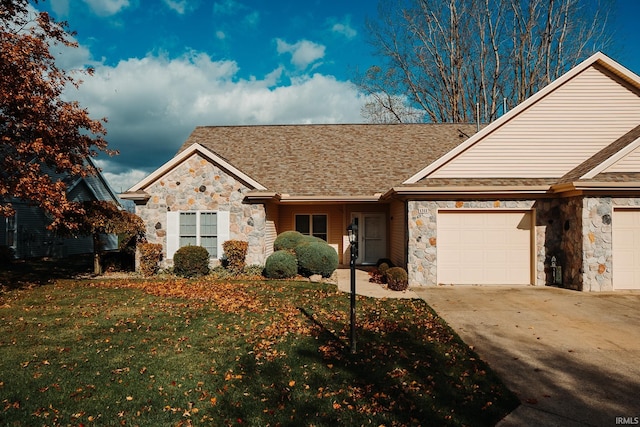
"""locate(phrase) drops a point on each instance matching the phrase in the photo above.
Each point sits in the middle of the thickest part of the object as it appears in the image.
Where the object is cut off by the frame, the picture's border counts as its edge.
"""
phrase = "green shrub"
(288, 240)
(191, 261)
(382, 268)
(253, 270)
(235, 252)
(221, 273)
(397, 279)
(316, 257)
(384, 261)
(281, 264)
(150, 256)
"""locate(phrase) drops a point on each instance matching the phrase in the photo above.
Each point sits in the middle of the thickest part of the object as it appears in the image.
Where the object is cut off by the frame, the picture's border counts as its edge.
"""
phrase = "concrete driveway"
(572, 358)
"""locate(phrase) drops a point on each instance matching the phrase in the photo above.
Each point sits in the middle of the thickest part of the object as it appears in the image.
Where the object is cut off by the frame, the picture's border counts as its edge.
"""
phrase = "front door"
(372, 237)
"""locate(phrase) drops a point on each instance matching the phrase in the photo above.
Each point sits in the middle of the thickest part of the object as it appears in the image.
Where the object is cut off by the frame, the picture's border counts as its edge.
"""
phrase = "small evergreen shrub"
(382, 268)
(191, 261)
(316, 257)
(253, 270)
(288, 241)
(384, 261)
(221, 273)
(281, 264)
(150, 256)
(397, 279)
(235, 252)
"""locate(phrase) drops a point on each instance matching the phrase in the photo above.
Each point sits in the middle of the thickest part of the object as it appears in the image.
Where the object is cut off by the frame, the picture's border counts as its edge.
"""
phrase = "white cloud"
(303, 53)
(344, 29)
(154, 103)
(119, 179)
(252, 19)
(220, 35)
(180, 6)
(60, 7)
(107, 7)
(227, 7)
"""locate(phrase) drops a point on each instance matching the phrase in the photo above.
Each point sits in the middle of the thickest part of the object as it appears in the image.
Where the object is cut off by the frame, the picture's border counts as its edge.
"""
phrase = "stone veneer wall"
(197, 184)
(422, 234)
(597, 252)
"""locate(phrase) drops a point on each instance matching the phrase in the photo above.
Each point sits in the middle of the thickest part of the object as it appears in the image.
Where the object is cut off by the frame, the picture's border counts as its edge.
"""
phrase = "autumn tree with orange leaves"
(97, 218)
(39, 130)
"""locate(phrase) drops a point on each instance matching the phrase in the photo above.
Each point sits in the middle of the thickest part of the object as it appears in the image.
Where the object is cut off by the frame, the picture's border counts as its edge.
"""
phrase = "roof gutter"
(286, 198)
(467, 190)
(596, 186)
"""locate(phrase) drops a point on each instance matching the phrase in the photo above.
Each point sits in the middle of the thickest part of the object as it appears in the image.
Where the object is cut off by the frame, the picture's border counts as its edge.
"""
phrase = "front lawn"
(177, 352)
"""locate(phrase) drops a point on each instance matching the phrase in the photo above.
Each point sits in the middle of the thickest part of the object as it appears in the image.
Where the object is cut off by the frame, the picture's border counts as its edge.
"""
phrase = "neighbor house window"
(209, 229)
(312, 225)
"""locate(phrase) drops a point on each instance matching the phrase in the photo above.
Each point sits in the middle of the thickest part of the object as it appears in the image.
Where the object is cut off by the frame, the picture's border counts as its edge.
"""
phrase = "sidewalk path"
(368, 289)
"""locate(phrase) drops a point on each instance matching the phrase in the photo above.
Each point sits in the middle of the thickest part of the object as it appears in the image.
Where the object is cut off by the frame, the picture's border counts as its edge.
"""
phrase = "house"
(26, 233)
(547, 194)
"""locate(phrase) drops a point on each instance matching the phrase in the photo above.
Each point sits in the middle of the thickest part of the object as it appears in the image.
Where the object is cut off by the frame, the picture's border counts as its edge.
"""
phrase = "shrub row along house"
(555, 179)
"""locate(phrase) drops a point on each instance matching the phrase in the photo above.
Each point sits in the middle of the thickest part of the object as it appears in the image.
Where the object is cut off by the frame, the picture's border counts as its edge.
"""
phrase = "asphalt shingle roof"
(331, 160)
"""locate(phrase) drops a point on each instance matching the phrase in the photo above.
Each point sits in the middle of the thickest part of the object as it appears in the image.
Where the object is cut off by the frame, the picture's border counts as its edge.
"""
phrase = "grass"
(178, 352)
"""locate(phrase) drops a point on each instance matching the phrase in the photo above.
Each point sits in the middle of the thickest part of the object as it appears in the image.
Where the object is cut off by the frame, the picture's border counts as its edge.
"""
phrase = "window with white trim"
(312, 225)
(197, 228)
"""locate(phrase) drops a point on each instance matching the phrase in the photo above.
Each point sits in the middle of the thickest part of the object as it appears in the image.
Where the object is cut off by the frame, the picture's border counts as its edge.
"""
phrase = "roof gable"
(184, 155)
(552, 132)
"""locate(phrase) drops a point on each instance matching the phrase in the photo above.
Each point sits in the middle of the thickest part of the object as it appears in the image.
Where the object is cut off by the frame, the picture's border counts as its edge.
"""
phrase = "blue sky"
(166, 66)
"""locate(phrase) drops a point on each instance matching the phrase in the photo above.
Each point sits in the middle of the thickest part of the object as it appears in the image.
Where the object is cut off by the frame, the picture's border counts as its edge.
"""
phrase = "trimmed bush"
(191, 261)
(316, 257)
(235, 252)
(150, 256)
(382, 268)
(288, 240)
(384, 261)
(281, 264)
(397, 279)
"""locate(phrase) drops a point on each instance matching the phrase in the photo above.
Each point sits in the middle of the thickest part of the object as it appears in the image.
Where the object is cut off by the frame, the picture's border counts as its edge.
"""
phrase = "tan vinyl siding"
(271, 229)
(555, 134)
(397, 231)
(629, 163)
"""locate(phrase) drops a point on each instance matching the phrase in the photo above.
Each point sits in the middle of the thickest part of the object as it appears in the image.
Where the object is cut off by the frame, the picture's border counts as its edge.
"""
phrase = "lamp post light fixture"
(352, 232)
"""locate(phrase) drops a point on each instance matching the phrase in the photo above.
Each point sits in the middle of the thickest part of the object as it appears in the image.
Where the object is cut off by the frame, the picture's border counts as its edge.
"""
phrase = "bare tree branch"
(444, 56)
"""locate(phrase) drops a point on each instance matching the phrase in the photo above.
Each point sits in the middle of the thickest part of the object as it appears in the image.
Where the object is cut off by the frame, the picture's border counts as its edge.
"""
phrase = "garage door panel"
(626, 248)
(484, 247)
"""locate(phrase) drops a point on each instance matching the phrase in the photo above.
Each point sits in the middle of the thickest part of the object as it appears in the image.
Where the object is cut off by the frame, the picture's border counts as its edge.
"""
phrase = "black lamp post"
(352, 231)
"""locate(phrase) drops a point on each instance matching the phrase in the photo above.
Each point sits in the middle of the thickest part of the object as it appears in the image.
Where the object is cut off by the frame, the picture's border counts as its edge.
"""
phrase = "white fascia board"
(597, 57)
(181, 157)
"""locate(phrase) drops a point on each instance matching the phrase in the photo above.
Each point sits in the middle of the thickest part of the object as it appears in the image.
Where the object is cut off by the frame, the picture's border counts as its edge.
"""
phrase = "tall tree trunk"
(97, 254)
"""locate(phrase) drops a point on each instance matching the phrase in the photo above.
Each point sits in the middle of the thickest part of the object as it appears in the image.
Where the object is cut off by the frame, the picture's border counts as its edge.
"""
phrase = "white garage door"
(485, 247)
(626, 249)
